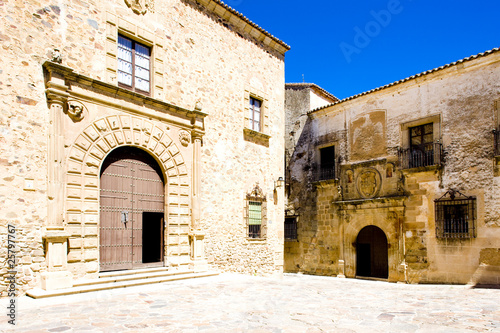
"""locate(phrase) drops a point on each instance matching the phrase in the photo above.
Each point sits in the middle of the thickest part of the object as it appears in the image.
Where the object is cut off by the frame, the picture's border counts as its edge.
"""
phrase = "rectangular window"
(254, 219)
(421, 145)
(327, 163)
(255, 114)
(455, 218)
(291, 228)
(133, 65)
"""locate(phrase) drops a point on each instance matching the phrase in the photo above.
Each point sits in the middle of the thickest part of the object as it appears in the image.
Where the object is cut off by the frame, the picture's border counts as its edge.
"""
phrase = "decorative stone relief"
(389, 170)
(76, 110)
(368, 183)
(140, 6)
(184, 138)
(56, 56)
(256, 192)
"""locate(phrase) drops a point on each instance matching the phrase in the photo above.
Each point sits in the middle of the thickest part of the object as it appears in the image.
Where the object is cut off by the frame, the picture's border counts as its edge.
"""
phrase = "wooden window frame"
(133, 87)
(252, 110)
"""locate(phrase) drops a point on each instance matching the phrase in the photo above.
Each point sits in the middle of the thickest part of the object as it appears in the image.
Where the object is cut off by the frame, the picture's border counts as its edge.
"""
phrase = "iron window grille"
(455, 216)
(134, 64)
(496, 143)
(255, 114)
(256, 212)
(291, 228)
(328, 164)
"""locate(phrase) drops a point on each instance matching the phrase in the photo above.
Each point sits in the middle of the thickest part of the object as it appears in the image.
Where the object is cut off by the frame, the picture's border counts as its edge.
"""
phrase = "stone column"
(199, 263)
(341, 262)
(55, 237)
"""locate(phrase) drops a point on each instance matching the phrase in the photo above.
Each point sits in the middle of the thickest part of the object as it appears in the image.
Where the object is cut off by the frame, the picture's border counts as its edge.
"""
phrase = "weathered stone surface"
(214, 69)
(375, 185)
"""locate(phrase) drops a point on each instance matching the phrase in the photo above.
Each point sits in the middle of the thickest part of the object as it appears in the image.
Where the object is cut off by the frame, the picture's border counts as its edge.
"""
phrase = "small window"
(255, 114)
(455, 216)
(256, 205)
(254, 219)
(327, 163)
(133, 65)
(422, 145)
(290, 228)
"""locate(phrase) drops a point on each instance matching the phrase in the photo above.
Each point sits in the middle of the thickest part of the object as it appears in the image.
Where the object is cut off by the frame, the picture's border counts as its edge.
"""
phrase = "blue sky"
(348, 47)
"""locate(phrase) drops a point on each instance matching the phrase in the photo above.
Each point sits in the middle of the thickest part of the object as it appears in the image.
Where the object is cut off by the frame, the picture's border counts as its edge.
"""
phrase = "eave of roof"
(483, 54)
(313, 86)
(224, 11)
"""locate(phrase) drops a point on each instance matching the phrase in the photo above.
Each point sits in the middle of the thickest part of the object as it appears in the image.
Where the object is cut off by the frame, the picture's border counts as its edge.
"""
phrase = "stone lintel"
(104, 88)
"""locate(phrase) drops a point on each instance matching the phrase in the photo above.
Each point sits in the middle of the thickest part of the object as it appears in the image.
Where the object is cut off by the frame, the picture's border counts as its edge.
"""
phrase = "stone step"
(127, 275)
(114, 282)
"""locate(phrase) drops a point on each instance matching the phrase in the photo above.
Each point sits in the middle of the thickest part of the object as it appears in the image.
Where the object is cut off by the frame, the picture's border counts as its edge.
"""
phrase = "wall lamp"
(279, 183)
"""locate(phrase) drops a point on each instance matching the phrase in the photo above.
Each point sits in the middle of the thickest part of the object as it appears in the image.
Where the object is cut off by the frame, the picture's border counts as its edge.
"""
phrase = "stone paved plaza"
(294, 303)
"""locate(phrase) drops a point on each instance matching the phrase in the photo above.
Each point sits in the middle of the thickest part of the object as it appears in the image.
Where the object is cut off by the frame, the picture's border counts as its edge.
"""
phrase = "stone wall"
(198, 59)
(300, 98)
(373, 186)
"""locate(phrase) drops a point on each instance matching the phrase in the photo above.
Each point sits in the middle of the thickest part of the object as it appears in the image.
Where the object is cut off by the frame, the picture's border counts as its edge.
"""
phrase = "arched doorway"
(371, 253)
(132, 200)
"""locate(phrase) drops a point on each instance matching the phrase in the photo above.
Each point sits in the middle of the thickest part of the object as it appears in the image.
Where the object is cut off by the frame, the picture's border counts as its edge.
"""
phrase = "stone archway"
(82, 195)
(372, 253)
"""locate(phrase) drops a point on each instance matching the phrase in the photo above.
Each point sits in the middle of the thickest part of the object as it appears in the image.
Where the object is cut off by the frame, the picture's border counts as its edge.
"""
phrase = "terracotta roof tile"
(312, 86)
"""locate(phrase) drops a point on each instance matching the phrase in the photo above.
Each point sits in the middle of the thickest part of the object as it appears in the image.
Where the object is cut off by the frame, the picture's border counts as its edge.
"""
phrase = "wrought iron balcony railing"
(425, 155)
(324, 174)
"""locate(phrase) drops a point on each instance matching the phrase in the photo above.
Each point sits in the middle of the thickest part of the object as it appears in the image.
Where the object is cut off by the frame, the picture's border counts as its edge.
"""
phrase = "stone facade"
(63, 112)
(413, 192)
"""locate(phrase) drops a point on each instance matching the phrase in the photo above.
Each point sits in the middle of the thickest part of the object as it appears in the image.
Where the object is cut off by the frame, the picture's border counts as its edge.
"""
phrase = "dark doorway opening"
(371, 253)
(152, 237)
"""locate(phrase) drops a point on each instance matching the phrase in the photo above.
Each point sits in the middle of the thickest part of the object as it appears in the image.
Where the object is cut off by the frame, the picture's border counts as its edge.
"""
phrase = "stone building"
(138, 134)
(401, 182)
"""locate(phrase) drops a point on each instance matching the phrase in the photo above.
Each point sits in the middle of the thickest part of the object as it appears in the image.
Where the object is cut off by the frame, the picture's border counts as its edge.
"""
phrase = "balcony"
(425, 155)
(324, 174)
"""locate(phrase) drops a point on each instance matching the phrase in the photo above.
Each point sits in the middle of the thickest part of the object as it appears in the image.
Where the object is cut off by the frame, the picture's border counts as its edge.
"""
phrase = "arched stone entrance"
(132, 201)
(372, 253)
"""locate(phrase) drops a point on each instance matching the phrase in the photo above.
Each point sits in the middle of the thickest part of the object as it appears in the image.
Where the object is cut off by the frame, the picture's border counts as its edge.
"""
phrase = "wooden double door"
(132, 201)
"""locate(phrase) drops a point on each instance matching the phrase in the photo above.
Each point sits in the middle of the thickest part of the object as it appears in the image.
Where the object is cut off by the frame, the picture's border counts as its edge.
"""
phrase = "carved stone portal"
(368, 183)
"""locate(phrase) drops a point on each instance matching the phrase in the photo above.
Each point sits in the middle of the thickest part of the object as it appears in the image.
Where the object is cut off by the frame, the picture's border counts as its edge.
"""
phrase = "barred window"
(455, 216)
(255, 210)
(254, 219)
(290, 228)
(133, 65)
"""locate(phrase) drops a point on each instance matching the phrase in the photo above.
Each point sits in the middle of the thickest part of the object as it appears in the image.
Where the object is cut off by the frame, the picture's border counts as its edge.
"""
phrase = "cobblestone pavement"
(294, 303)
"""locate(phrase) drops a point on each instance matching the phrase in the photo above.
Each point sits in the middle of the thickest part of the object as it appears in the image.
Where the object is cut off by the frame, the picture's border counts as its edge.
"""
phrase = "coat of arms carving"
(140, 6)
(368, 183)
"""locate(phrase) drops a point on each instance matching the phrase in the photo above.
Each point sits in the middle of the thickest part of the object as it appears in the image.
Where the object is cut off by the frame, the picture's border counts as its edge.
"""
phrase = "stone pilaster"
(55, 237)
(199, 263)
